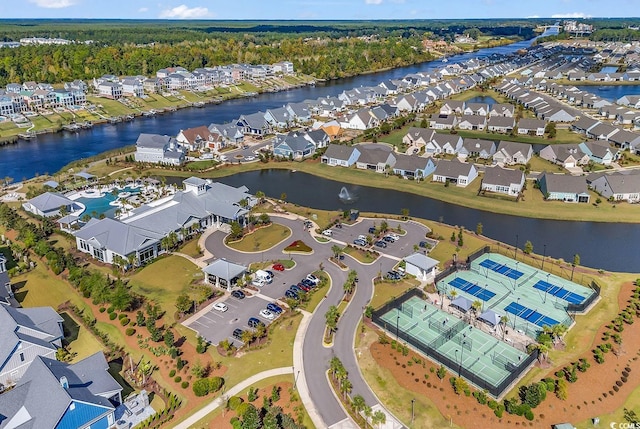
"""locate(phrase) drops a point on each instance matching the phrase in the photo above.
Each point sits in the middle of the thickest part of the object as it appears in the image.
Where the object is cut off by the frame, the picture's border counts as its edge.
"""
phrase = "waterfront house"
(584, 124)
(224, 274)
(341, 155)
(599, 152)
(299, 112)
(230, 133)
(629, 100)
(443, 143)
(509, 153)
(503, 181)
(132, 87)
(567, 155)
(26, 333)
(443, 122)
(618, 186)
(376, 157)
(452, 107)
(531, 127)
(563, 187)
(199, 138)
(456, 172)
(158, 149)
(254, 124)
(112, 90)
(602, 131)
(479, 109)
(411, 166)
(476, 148)
(278, 118)
(472, 122)
(502, 109)
(417, 136)
(293, 146)
(501, 124)
(50, 204)
(59, 395)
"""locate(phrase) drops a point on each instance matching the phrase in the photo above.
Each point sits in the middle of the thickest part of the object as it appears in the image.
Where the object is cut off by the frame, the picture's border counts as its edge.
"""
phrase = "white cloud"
(533, 16)
(373, 1)
(53, 4)
(571, 15)
(143, 9)
(185, 12)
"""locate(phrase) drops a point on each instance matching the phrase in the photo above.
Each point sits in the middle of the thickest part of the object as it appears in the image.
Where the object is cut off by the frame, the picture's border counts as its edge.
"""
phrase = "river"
(50, 152)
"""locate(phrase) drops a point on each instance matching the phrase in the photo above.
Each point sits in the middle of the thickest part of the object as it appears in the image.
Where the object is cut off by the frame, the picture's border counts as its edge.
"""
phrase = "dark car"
(388, 239)
(307, 282)
(297, 289)
(381, 243)
(304, 287)
(238, 294)
(291, 294)
(237, 334)
(270, 273)
(274, 308)
(372, 230)
(423, 244)
(254, 322)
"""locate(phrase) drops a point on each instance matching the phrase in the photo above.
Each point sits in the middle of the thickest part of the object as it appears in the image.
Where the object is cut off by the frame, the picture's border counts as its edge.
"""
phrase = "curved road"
(325, 408)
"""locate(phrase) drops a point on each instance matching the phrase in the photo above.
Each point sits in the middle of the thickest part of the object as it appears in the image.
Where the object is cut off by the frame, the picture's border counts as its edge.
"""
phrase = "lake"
(611, 92)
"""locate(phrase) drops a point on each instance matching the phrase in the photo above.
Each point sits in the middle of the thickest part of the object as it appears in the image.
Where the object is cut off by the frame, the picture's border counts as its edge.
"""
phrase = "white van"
(262, 274)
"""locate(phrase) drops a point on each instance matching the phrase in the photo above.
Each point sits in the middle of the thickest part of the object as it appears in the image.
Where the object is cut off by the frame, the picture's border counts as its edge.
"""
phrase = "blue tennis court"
(530, 315)
(502, 269)
(558, 291)
(472, 289)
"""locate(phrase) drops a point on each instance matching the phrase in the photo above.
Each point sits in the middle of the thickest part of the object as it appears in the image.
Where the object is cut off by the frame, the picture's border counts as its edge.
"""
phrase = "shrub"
(215, 384)
(561, 389)
(201, 387)
(618, 383)
(234, 402)
(111, 309)
(481, 396)
(124, 322)
(130, 331)
(102, 309)
(551, 384)
(499, 411)
(252, 394)
(528, 414)
(122, 316)
(242, 409)
(616, 388)
(112, 316)
(172, 373)
(185, 384)
(178, 379)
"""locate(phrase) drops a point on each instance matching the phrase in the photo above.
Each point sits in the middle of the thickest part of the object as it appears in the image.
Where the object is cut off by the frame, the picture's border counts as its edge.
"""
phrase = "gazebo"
(223, 274)
(490, 317)
(461, 303)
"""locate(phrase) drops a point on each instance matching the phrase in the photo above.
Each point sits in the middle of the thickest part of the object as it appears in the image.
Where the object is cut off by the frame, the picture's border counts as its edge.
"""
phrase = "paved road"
(326, 408)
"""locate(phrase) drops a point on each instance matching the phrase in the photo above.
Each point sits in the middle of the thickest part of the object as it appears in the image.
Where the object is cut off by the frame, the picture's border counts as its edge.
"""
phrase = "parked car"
(388, 239)
(304, 287)
(381, 244)
(423, 244)
(270, 273)
(327, 233)
(393, 235)
(278, 267)
(392, 275)
(274, 308)
(313, 279)
(220, 306)
(253, 322)
(238, 294)
(307, 282)
(249, 158)
(290, 293)
(237, 334)
(297, 289)
(372, 230)
(362, 237)
(359, 242)
(267, 314)
(258, 282)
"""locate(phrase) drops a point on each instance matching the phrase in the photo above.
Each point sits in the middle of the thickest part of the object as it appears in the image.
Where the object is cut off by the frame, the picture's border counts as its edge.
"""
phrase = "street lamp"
(458, 363)
(412, 414)
(546, 288)
(515, 254)
(397, 324)
(516, 314)
(544, 254)
(295, 381)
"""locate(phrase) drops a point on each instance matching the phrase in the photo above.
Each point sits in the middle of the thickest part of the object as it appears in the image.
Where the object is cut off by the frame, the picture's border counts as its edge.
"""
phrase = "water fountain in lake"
(346, 196)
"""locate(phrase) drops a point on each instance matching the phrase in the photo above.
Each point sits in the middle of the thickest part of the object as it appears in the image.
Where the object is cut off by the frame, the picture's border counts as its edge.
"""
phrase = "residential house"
(408, 103)
(132, 87)
(630, 101)
(199, 138)
(480, 109)
(503, 181)
(563, 187)
(50, 204)
(452, 107)
(443, 122)
(472, 122)
(231, 133)
(501, 124)
(342, 155)
(159, 149)
(502, 109)
(566, 155)
(531, 127)
(59, 395)
(557, 114)
(318, 137)
(299, 112)
(599, 152)
(418, 136)
(413, 167)
(509, 153)
(293, 146)
(476, 148)
(443, 143)
(618, 186)
(377, 157)
(112, 90)
(602, 131)
(26, 333)
(254, 124)
(361, 120)
(584, 124)
(278, 118)
(625, 139)
(224, 274)
(454, 171)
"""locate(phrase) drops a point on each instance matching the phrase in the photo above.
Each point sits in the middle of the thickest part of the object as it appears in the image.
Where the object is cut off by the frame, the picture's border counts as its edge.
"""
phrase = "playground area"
(529, 298)
(482, 359)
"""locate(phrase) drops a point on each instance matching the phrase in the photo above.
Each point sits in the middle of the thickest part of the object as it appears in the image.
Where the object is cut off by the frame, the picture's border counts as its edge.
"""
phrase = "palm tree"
(558, 332)
(379, 418)
(334, 367)
(358, 403)
(503, 321)
(247, 337)
(331, 317)
(345, 387)
(476, 306)
(337, 250)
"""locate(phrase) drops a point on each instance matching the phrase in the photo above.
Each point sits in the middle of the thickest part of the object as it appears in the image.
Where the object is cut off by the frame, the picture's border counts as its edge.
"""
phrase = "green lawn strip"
(40, 288)
(77, 339)
(538, 164)
(191, 248)
(395, 397)
(200, 165)
(364, 256)
(386, 290)
(262, 238)
(562, 136)
(206, 421)
(163, 280)
(317, 296)
(110, 107)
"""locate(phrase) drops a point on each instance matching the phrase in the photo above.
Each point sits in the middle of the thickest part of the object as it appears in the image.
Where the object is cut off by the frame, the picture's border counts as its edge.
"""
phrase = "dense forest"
(323, 49)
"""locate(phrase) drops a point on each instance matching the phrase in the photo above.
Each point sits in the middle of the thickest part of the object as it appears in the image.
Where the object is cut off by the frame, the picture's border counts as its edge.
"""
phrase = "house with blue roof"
(563, 187)
(599, 152)
(58, 395)
(413, 166)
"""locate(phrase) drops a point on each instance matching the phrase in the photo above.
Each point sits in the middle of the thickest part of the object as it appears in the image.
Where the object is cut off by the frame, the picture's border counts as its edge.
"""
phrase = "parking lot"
(412, 235)
(215, 326)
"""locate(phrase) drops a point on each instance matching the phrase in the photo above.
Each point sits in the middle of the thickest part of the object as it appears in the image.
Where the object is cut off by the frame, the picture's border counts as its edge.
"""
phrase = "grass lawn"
(163, 280)
(78, 340)
(562, 136)
(467, 95)
(385, 290)
(539, 164)
(364, 256)
(200, 165)
(110, 107)
(298, 246)
(191, 248)
(262, 238)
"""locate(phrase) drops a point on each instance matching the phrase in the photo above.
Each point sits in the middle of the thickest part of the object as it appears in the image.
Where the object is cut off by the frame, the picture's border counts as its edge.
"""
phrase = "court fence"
(431, 349)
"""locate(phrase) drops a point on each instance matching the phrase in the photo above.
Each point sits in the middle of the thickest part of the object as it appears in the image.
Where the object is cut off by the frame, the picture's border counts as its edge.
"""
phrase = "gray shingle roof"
(373, 153)
(338, 151)
(152, 141)
(564, 183)
(117, 236)
(50, 201)
(410, 162)
(531, 124)
(502, 176)
(224, 269)
(453, 168)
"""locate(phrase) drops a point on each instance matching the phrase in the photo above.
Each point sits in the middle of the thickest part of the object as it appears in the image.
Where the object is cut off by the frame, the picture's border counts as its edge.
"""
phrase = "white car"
(249, 158)
(313, 279)
(259, 282)
(395, 237)
(267, 314)
(327, 233)
(220, 306)
(224, 158)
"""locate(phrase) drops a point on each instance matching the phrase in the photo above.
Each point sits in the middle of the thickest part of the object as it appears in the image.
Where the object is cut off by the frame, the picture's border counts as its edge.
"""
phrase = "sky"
(316, 9)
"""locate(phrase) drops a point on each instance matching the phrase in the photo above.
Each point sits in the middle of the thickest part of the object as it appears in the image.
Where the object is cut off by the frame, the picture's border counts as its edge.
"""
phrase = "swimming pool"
(94, 207)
